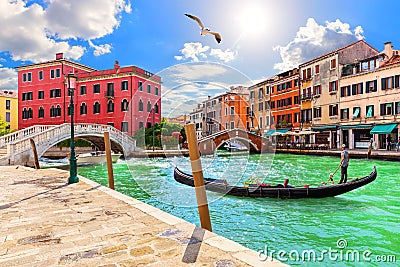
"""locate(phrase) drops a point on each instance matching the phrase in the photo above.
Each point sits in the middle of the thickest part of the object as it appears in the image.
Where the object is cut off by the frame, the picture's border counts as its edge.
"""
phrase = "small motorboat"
(235, 147)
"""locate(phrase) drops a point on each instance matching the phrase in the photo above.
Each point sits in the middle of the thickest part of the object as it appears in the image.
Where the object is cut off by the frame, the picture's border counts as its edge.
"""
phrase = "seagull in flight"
(205, 31)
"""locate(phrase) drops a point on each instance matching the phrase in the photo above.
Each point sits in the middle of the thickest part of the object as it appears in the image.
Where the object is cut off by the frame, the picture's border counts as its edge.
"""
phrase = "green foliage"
(4, 127)
(78, 143)
(162, 133)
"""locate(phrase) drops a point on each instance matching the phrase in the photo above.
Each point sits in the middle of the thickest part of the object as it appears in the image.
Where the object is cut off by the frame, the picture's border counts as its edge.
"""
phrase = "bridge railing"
(52, 135)
(21, 134)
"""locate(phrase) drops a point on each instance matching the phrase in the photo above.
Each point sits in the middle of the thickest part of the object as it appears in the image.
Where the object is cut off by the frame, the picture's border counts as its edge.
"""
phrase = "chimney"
(116, 65)
(388, 49)
(59, 56)
(209, 97)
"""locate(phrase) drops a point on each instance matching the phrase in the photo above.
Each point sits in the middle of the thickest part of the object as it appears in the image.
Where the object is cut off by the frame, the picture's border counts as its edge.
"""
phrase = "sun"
(253, 19)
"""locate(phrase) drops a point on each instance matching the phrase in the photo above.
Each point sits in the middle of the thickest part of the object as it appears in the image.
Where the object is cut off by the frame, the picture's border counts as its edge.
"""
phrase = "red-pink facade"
(126, 97)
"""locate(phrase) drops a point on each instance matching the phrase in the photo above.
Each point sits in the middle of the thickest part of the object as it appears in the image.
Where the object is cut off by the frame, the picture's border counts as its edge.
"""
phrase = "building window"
(55, 93)
(124, 105)
(344, 114)
(156, 90)
(8, 117)
(148, 106)
(8, 104)
(156, 108)
(387, 83)
(40, 94)
(41, 112)
(397, 108)
(387, 109)
(317, 112)
(27, 113)
(58, 73)
(124, 86)
(371, 86)
(83, 109)
(333, 63)
(316, 69)
(252, 95)
(29, 76)
(124, 126)
(24, 77)
(140, 86)
(149, 88)
(83, 90)
(260, 124)
(110, 106)
(27, 96)
(55, 111)
(96, 108)
(40, 75)
(345, 91)
(308, 73)
(356, 112)
(110, 89)
(260, 93)
(232, 125)
(296, 100)
(333, 86)
(317, 89)
(333, 110)
(232, 111)
(141, 125)
(140, 105)
(369, 111)
(260, 106)
(96, 88)
(357, 89)
(52, 74)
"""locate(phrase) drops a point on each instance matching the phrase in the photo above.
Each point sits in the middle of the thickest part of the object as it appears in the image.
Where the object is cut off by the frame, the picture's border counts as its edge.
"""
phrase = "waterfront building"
(235, 109)
(127, 98)
(212, 110)
(9, 108)
(285, 101)
(319, 86)
(370, 100)
(196, 117)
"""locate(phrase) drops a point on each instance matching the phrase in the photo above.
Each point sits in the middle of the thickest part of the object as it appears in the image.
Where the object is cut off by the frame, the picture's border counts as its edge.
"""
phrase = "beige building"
(196, 117)
(259, 113)
(370, 100)
(319, 86)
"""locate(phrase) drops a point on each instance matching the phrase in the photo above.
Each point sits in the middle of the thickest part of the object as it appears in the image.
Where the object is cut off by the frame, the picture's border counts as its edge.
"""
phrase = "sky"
(260, 38)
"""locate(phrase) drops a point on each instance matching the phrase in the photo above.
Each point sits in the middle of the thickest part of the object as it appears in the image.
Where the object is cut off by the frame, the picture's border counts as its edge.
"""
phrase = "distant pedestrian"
(389, 142)
(398, 145)
(344, 163)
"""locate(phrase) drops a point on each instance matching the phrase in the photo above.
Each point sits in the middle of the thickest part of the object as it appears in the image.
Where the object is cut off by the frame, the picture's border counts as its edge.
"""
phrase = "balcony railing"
(306, 96)
(109, 94)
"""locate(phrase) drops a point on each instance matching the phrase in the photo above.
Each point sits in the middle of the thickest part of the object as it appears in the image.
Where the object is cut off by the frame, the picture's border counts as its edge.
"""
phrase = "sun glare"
(253, 20)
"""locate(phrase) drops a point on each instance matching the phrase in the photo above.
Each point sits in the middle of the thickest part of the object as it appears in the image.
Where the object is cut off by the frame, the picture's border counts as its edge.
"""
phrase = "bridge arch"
(257, 143)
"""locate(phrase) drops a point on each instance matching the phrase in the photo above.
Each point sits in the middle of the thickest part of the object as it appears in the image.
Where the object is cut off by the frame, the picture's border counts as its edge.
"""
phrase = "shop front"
(326, 136)
(357, 136)
(385, 133)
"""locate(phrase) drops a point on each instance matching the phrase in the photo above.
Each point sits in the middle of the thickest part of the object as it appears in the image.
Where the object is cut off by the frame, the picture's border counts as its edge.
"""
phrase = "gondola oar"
(332, 174)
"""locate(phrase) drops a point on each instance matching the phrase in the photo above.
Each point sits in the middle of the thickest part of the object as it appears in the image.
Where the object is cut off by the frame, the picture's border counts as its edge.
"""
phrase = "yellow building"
(9, 108)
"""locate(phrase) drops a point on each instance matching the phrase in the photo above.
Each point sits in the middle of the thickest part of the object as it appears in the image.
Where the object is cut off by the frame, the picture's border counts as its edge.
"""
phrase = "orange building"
(285, 100)
(235, 108)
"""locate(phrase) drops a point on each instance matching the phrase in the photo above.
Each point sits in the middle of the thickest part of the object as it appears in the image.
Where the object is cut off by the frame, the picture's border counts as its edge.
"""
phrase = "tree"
(4, 127)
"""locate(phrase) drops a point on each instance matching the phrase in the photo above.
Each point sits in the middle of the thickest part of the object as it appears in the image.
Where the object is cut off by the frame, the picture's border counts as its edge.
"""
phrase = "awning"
(325, 127)
(276, 132)
(356, 126)
(356, 113)
(383, 128)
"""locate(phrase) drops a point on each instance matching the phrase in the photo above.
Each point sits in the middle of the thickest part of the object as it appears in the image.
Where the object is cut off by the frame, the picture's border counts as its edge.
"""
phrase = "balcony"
(109, 94)
(306, 96)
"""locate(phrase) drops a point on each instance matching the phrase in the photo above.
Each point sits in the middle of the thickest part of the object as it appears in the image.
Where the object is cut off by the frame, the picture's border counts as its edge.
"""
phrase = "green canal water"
(358, 228)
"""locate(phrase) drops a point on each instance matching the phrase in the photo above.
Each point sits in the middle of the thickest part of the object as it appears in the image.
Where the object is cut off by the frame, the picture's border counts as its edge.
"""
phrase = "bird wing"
(196, 19)
(217, 36)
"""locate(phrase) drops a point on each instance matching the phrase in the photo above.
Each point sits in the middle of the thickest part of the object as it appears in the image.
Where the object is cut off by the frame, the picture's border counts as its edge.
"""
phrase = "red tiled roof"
(392, 61)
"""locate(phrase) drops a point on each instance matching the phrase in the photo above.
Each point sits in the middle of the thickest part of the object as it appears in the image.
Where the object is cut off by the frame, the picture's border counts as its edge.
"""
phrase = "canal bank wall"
(46, 222)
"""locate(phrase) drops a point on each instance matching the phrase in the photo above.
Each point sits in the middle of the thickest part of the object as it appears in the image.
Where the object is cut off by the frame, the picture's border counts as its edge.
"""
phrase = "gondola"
(278, 191)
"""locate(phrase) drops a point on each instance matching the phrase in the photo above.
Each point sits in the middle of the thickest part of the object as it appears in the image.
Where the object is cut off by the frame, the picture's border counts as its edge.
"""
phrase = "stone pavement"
(46, 222)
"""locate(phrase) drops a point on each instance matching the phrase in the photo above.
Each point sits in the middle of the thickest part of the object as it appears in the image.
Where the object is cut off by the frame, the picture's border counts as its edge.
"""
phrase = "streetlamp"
(153, 126)
(73, 178)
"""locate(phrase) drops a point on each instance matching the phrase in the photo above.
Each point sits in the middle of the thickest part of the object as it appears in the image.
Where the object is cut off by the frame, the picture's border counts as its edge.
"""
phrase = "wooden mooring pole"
(110, 171)
(35, 155)
(197, 171)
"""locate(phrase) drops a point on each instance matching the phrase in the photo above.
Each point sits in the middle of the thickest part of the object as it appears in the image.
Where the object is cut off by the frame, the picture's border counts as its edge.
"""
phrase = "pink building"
(127, 98)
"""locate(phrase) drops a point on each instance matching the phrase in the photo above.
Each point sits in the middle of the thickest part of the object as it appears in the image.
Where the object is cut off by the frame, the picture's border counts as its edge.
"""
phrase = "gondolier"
(344, 163)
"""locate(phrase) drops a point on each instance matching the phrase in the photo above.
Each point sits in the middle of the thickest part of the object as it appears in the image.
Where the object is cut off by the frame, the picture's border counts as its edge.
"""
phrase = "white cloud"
(8, 78)
(226, 56)
(45, 30)
(100, 49)
(314, 40)
(194, 51)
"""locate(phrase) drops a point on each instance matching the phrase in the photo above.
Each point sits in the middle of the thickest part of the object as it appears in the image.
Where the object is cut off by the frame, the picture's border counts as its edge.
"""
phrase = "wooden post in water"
(35, 155)
(107, 143)
(197, 171)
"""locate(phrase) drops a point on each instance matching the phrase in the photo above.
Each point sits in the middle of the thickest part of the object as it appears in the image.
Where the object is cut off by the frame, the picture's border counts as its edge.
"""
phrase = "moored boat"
(96, 158)
(278, 191)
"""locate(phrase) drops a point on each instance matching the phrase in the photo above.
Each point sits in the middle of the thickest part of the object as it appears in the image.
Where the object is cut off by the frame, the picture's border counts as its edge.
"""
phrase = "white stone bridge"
(15, 148)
